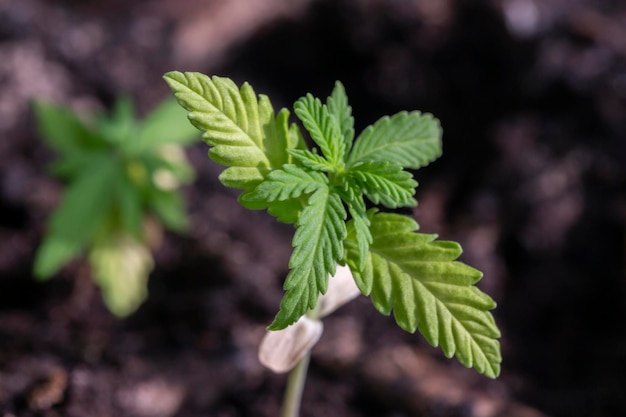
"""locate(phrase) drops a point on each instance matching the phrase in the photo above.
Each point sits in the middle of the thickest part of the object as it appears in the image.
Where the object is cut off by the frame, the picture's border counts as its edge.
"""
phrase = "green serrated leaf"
(121, 266)
(427, 289)
(323, 128)
(411, 140)
(244, 135)
(312, 160)
(385, 183)
(287, 183)
(318, 246)
(338, 107)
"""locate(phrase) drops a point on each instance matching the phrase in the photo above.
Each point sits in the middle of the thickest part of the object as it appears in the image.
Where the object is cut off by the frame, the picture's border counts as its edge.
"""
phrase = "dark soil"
(532, 98)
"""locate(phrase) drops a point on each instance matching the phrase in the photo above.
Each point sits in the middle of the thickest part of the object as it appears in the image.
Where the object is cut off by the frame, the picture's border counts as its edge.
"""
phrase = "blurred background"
(532, 98)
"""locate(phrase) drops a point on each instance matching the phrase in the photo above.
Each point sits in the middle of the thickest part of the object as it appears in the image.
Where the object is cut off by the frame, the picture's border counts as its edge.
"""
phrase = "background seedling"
(123, 178)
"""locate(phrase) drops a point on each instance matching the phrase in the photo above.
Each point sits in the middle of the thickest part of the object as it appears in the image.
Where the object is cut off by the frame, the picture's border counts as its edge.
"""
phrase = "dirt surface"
(532, 98)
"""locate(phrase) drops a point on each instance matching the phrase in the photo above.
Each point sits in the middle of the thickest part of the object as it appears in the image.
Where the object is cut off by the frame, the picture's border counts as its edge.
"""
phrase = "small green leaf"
(427, 289)
(284, 193)
(312, 160)
(385, 183)
(287, 183)
(121, 266)
(77, 218)
(411, 140)
(287, 211)
(244, 135)
(318, 246)
(338, 107)
(323, 127)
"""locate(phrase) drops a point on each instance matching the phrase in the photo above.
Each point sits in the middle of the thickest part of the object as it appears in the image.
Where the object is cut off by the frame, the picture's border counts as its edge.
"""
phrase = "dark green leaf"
(318, 246)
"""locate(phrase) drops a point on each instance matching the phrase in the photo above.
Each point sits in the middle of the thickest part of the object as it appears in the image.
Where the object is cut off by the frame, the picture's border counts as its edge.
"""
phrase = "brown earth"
(532, 98)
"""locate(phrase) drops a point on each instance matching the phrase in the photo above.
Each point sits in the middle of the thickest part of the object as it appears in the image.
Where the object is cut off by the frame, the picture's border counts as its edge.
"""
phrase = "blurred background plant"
(123, 185)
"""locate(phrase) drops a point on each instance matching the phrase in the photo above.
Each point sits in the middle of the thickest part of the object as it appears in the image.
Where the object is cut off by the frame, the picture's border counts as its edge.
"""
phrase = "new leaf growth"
(323, 192)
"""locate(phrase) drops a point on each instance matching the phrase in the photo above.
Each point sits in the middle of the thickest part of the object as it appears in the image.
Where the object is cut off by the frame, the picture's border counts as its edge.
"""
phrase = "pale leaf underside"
(420, 280)
(236, 124)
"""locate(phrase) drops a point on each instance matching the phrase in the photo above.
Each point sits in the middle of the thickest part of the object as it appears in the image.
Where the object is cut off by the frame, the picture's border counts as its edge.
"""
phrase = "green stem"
(295, 386)
(297, 378)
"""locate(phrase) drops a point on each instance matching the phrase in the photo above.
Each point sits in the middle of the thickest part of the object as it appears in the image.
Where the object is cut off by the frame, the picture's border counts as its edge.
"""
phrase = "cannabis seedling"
(412, 274)
(121, 173)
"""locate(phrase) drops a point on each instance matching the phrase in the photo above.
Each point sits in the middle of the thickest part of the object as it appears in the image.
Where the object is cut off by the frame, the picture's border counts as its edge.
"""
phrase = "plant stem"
(295, 386)
(297, 378)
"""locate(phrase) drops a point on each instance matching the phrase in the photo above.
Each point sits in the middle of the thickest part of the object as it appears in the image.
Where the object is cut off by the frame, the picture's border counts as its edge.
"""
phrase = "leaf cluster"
(119, 171)
(324, 191)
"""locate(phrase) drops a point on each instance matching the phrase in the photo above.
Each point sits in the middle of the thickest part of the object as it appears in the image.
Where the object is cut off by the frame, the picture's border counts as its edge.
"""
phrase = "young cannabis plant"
(119, 173)
(412, 274)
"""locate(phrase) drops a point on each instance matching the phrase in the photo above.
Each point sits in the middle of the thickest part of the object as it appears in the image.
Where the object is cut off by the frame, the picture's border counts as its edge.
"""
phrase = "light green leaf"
(164, 125)
(385, 183)
(323, 127)
(318, 246)
(242, 130)
(411, 140)
(78, 216)
(280, 137)
(287, 211)
(121, 266)
(427, 289)
(338, 107)
(312, 160)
